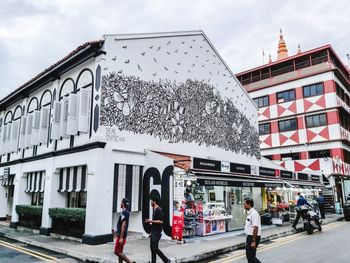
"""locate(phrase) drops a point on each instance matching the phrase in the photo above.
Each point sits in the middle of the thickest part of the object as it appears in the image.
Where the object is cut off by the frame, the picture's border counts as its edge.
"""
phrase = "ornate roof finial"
(270, 60)
(299, 50)
(282, 48)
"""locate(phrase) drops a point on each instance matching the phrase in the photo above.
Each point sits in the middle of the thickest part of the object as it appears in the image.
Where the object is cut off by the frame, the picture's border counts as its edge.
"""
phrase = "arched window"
(33, 105)
(45, 113)
(67, 87)
(85, 79)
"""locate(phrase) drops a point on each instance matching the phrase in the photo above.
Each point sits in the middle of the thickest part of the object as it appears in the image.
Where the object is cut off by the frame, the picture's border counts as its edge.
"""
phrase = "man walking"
(301, 201)
(320, 202)
(253, 231)
(122, 231)
(156, 230)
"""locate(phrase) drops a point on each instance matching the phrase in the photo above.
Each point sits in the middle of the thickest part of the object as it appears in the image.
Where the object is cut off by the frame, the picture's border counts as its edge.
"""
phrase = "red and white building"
(304, 112)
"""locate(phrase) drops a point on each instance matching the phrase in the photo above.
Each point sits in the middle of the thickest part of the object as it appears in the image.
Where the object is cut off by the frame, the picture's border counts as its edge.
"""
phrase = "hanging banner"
(178, 223)
(179, 187)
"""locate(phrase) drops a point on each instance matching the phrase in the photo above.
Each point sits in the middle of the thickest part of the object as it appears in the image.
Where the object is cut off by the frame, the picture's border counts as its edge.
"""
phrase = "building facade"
(304, 111)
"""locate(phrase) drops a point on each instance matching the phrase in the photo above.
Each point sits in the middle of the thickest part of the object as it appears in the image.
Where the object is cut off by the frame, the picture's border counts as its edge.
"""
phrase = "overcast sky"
(36, 33)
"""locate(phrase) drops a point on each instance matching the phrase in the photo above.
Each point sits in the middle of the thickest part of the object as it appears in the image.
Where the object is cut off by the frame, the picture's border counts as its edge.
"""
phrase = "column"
(3, 202)
(98, 218)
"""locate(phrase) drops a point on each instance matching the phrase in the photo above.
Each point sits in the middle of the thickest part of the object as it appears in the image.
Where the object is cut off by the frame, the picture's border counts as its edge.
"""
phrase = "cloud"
(35, 34)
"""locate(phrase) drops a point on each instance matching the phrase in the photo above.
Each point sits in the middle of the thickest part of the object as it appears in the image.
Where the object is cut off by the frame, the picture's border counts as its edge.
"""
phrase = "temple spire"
(282, 48)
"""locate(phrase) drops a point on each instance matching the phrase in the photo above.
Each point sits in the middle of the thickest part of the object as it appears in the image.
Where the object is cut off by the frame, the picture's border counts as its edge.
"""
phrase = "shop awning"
(302, 184)
(35, 182)
(222, 180)
(73, 179)
(9, 181)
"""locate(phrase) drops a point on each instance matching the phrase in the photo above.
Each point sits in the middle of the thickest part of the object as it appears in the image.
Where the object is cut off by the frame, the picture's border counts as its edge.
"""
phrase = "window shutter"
(64, 117)
(55, 130)
(72, 125)
(34, 140)
(44, 124)
(29, 127)
(14, 136)
(3, 139)
(84, 103)
(1, 136)
(22, 133)
(8, 138)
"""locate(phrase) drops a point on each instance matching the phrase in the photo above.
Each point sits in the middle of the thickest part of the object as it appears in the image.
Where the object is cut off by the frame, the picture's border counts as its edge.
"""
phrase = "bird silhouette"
(120, 71)
(177, 50)
(168, 52)
(168, 43)
(154, 74)
(139, 67)
(183, 42)
(166, 68)
(179, 63)
(189, 71)
(105, 68)
(193, 65)
(143, 53)
(201, 46)
(210, 72)
(203, 66)
(176, 72)
(127, 61)
(151, 47)
(115, 58)
(125, 47)
(158, 48)
(190, 46)
(185, 53)
(155, 60)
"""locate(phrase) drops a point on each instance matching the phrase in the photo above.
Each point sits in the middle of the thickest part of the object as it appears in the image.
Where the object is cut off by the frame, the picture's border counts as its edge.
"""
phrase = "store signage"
(177, 226)
(286, 174)
(206, 164)
(208, 182)
(254, 170)
(225, 167)
(267, 171)
(302, 176)
(179, 187)
(240, 168)
(6, 173)
(315, 178)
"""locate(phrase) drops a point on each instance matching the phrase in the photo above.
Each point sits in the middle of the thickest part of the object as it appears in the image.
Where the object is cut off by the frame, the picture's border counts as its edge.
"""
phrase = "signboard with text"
(240, 168)
(206, 164)
(178, 223)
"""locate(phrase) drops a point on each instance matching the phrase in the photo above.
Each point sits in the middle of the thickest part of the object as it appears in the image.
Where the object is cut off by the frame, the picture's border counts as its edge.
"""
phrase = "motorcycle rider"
(301, 201)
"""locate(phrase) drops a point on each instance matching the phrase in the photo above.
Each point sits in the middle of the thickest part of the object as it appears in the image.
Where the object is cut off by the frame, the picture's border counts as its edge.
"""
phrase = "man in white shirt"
(252, 230)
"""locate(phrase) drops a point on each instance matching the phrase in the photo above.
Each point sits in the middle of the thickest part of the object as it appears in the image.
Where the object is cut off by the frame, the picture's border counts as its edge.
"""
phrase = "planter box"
(29, 221)
(68, 227)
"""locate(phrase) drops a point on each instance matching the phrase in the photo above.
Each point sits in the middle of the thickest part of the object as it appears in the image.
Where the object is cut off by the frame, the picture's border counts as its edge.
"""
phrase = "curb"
(204, 256)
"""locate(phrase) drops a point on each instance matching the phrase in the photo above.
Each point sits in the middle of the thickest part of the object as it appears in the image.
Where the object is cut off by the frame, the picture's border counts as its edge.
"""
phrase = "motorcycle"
(311, 219)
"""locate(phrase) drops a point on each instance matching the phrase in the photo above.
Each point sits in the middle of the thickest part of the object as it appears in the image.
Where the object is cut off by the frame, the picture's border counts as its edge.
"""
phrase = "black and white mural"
(186, 111)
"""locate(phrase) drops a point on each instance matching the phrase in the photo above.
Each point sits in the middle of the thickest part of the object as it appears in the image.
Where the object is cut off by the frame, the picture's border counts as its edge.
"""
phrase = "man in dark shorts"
(156, 230)
(122, 231)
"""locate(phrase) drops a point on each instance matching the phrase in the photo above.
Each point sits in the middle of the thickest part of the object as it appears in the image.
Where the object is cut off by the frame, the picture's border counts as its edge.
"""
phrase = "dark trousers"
(155, 237)
(251, 252)
(297, 218)
(321, 207)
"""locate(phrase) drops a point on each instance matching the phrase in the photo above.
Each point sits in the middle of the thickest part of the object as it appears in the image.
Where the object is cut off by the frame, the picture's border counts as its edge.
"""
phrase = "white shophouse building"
(89, 130)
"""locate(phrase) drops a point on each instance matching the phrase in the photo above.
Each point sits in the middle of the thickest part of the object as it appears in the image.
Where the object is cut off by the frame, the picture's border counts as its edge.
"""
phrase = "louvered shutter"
(44, 125)
(14, 136)
(84, 102)
(3, 139)
(55, 130)
(64, 117)
(72, 125)
(8, 137)
(22, 133)
(29, 126)
(34, 140)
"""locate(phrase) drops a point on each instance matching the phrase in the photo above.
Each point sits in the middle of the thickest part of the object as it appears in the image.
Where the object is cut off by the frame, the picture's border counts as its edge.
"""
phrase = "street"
(330, 245)
(11, 252)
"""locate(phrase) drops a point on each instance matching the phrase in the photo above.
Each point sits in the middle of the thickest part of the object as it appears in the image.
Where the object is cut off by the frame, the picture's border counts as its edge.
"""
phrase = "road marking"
(29, 252)
(286, 240)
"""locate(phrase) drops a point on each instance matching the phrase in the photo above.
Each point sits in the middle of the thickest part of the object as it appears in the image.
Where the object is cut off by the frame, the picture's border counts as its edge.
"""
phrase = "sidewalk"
(137, 247)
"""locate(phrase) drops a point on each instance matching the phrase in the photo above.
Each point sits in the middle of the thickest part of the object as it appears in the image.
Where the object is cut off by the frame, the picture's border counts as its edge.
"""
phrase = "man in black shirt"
(122, 231)
(156, 230)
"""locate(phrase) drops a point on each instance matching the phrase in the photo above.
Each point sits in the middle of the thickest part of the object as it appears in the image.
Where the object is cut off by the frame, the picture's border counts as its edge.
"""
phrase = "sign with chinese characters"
(179, 187)
(178, 223)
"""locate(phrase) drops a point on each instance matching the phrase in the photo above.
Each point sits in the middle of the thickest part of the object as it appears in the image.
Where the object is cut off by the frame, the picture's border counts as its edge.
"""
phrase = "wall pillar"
(3, 202)
(98, 218)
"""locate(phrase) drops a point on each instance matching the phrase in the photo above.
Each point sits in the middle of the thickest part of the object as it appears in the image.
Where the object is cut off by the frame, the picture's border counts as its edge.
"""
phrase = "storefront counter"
(212, 225)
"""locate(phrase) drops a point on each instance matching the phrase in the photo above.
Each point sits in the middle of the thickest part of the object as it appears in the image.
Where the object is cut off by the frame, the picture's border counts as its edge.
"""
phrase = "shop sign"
(225, 167)
(240, 168)
(6, 174)
(302, 176)
(286, 174)
(179, 187)
(254, 170)
(315, 178)
(178, 223)
(267, 172)
(207, 182)
(206, 164)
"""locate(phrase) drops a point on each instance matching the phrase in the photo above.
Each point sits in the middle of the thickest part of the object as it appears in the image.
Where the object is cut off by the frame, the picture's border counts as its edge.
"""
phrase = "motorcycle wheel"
(308, 229)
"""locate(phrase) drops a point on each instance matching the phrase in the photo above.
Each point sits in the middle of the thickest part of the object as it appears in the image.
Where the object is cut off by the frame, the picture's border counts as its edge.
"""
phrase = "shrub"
(29, 210)
(77, 214)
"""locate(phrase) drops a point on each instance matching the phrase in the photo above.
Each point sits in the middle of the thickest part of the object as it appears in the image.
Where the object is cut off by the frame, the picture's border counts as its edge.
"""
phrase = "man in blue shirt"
(301, 201)
(320, 202)
(122, 231)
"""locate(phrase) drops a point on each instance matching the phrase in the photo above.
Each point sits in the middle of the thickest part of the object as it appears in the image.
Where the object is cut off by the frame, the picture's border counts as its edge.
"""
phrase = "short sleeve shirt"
(124, 217)
(157, 215)
(253, 219)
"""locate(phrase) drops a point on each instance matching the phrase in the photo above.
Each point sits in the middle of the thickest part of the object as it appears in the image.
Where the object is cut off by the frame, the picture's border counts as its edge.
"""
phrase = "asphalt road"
(330, 245)
(13, 252)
